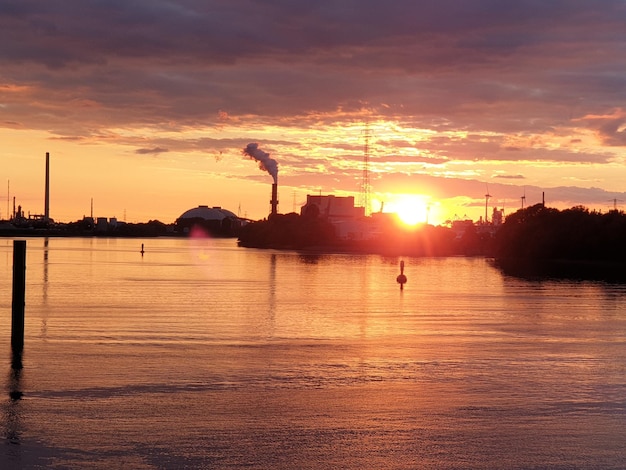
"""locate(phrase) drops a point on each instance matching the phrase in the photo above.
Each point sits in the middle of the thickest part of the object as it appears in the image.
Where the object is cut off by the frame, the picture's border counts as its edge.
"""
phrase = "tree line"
(542, 233)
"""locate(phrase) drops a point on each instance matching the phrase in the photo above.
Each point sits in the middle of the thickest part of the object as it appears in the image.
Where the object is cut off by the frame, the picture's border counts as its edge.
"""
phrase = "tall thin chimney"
(274, 201)
(46, 213)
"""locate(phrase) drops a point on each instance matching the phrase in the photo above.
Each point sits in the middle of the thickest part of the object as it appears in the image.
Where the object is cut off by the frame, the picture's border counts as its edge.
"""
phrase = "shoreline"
(581, 269)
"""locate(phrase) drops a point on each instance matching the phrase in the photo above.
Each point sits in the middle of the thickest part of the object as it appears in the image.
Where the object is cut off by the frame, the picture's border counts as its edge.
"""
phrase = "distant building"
(349, 221)
(459, 227)
(214, 220)
(497, 217)
(490, 228)
(332, 207)
(102, 224)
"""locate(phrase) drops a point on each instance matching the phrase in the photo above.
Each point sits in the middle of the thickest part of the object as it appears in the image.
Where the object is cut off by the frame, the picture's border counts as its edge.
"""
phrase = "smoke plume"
(265, 162)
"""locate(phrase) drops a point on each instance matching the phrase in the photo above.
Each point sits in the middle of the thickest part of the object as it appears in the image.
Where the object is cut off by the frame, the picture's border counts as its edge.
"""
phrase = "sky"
(145, 106)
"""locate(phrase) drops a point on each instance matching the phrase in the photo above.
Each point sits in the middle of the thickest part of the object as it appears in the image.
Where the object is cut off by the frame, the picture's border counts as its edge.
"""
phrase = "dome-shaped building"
(214, 220)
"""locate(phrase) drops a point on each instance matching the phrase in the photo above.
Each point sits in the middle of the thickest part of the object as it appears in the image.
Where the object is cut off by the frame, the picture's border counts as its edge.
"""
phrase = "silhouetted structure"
(19, 295)
(274, 200)
(214, 221)
(46, 212)
(313, 231)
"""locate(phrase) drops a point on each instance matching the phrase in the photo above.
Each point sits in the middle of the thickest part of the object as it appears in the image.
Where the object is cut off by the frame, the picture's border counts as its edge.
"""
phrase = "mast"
(365, 182)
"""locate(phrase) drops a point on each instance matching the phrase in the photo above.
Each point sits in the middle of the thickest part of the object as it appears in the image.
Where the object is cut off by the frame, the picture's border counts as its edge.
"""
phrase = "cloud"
(151, 151)
(319, 48)
(482, 82)
(510, 177)
(610, 127)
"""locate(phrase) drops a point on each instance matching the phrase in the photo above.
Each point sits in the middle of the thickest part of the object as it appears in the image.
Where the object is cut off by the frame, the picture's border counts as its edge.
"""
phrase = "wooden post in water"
(19, 295)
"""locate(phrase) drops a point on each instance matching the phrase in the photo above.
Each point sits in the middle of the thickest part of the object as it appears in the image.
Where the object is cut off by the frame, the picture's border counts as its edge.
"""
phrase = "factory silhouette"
(214, 221)
(324, 221)
(329, 223)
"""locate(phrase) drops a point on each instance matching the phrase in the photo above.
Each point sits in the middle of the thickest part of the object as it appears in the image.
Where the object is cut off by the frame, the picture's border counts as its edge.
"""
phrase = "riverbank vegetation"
(574, 242)
(541, 233)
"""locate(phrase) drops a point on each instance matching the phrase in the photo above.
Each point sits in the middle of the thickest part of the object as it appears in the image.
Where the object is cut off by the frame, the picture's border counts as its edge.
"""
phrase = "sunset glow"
(411, 209)
(151, 124)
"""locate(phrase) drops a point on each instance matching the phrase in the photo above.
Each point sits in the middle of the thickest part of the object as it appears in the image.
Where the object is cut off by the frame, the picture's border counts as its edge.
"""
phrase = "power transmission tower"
(487, 196)
(365, 182)
(615, 201)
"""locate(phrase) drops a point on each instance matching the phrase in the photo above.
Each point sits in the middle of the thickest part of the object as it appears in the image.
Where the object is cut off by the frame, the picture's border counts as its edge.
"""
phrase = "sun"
(412, 209)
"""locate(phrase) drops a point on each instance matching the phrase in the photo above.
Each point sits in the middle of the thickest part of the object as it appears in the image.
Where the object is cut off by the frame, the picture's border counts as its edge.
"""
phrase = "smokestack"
(266, 163)
(46, 212)
(274, 201)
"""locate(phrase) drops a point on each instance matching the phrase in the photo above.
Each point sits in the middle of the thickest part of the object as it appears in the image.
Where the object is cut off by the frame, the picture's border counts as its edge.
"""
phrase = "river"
(201, 354)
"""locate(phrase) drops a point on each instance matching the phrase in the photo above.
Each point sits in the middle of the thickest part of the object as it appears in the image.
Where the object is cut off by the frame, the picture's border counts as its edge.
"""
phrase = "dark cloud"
(611, 127)
(151, 151)
(613, 131)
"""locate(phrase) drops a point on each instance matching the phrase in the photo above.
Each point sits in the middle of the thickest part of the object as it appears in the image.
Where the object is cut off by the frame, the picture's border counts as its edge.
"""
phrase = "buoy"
(401, 278)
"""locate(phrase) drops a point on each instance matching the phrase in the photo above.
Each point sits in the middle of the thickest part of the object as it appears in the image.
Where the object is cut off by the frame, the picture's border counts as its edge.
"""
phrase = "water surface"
(200, 354)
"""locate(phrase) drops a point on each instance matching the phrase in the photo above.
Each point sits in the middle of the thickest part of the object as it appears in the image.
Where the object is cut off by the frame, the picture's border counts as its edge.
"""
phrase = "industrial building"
(214, 220)
(349, 221)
